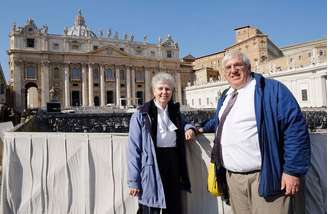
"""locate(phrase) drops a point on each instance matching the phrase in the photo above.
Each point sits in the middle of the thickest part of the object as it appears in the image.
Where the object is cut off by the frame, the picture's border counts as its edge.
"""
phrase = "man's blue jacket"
(282, 130)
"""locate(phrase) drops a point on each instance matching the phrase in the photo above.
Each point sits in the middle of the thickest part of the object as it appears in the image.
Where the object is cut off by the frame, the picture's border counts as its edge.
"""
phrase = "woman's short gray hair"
(235, 54)
(163, 77)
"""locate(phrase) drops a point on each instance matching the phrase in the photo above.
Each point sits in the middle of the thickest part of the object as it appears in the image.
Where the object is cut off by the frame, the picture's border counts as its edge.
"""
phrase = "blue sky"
(200, 26)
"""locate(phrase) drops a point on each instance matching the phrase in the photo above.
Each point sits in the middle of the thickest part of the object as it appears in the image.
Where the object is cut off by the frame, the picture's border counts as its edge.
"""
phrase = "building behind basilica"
(80, 68)
(301, 67)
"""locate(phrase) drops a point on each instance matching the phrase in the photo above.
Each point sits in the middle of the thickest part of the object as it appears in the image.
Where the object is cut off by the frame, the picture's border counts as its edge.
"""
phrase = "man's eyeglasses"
(237, 66)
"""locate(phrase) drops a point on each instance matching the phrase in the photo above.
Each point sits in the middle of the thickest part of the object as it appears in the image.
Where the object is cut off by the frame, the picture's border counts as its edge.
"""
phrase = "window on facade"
(31, 72)
(30, 43)
(95, 47)
(75, 45)
(321, 52)
(56, 73)
(192, 101)
(122, 49)
(304, 95)
(55, 46)
(169, 54)
(309, 54)
(299, 57)
(152, 53)
(109, 74)
(138, 50)
(140, 76)
(76, 73)
(95, 75)
(200, 101)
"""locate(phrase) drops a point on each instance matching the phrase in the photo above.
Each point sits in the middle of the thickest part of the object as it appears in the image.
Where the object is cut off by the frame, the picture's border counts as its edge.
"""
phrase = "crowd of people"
(105, 123)
(9, 114)
(316, 119)
(119, 122)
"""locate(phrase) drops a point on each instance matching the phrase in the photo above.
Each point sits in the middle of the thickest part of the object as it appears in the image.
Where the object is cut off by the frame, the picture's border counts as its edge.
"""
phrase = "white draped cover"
(86, 173)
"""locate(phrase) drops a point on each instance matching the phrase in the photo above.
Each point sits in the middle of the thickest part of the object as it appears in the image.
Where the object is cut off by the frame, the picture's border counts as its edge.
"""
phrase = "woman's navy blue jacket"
(282, 130)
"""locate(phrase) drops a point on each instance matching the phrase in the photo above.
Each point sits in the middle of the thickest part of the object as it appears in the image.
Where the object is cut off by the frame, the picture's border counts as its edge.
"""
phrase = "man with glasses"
(261, 144)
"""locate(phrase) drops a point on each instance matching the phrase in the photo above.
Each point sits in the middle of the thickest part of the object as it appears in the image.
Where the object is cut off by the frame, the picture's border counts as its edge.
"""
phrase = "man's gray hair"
(235, 54)
(163, 77)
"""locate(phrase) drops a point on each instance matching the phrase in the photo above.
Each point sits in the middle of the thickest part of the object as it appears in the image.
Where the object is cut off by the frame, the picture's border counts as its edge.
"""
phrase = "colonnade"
(87, 88)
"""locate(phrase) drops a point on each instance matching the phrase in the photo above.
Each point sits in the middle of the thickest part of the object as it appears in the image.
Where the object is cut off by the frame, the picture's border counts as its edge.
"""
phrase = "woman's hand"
(190, 135)
(134, 192)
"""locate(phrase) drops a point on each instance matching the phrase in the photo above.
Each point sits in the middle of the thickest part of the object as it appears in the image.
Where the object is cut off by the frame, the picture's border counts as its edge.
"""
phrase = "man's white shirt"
(239, 140)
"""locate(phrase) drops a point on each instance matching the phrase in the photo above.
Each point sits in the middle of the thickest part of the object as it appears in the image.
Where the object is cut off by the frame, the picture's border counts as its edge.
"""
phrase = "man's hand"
(290, 183)
(134, 192)
(190, 135)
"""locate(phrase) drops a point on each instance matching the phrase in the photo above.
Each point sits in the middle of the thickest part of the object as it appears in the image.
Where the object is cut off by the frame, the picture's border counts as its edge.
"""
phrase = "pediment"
(109, 50)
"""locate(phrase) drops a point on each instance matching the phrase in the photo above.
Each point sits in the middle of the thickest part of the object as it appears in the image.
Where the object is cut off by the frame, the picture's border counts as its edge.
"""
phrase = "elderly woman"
(157, 169)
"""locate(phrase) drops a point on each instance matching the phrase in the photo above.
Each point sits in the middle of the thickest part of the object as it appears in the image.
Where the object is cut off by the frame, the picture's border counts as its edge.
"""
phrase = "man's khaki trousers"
(245, 199)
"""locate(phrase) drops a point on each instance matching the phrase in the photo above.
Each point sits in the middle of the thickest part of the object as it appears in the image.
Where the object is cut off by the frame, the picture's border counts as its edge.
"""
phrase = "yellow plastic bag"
(212, 184)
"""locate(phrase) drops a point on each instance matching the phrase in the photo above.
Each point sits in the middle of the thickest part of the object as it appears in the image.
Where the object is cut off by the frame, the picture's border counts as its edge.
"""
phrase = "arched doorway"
(32, 100)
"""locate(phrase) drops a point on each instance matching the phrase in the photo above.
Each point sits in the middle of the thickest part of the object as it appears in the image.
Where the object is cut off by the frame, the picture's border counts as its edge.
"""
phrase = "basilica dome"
(79, 28)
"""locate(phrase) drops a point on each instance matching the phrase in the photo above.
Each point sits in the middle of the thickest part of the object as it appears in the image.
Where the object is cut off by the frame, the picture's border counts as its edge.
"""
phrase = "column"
(67, 89)
(312, 92)
(133, 78)
(91, 99)
(319, 92)
(84, 85)
(17, 67)
(128, 86)
(147, 85)
(102, 86)
(118, 87)
(178, 87)
(44, 84)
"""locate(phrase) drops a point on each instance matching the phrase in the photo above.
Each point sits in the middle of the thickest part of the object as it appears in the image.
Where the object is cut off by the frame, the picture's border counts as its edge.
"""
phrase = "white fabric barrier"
(86, 173)
(65, 173)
